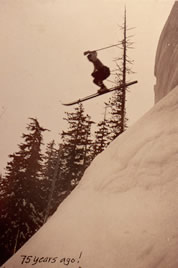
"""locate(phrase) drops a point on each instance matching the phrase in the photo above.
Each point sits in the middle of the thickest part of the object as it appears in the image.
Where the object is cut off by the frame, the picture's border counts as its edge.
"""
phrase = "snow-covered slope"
(166, 64)
(125, 211)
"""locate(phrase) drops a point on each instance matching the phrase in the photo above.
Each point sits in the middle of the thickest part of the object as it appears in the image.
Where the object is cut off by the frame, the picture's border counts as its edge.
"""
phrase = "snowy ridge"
(124, 212)
(132, 153)
(167, 55)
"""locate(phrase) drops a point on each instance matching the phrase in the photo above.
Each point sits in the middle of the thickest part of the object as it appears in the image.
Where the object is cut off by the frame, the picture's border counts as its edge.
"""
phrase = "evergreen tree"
(76, 142)
(87, 143)
(101, 135)
(2, 186)
(118, 122)
(50, 159)
(115, 121)
(64, 167)
(3, 209)
(53, 180)
(23, 204)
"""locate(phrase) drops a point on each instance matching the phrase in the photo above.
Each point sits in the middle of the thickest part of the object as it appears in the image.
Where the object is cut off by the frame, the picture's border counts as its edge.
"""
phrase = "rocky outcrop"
(166, 62)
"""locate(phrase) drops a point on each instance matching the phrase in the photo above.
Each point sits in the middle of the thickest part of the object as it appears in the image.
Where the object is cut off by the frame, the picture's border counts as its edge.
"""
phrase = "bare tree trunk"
(124, 76)
(16, 241)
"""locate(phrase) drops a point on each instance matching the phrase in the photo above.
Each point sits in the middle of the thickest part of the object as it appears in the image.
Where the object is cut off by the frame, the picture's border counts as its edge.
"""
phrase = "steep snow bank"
(166, 63)
(125, 211)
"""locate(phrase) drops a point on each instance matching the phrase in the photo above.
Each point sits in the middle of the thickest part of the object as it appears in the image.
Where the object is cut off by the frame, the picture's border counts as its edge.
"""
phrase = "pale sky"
(42, 62)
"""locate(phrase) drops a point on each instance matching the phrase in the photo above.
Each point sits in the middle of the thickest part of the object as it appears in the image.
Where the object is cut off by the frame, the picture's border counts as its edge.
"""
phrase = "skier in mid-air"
(100, 73)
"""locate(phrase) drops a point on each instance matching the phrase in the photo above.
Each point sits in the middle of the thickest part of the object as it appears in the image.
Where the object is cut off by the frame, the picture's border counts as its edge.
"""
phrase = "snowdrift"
(124, 213)
(166, 64)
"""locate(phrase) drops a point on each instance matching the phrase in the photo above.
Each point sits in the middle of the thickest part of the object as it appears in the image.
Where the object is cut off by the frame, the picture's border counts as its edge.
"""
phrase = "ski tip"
(66, 104)
(70, 103)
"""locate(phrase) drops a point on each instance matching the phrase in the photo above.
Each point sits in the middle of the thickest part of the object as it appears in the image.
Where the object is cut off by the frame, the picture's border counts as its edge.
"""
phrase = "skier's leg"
(99, 76)
(102, 73)
(105, 72)
(98, 82)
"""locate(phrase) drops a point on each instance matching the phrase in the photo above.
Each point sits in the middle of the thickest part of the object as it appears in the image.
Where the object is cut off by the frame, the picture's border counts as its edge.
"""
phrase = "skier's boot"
(102, 89)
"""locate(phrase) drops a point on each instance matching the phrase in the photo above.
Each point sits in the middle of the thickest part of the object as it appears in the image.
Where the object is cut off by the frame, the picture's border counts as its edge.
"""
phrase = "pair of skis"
(120, 87)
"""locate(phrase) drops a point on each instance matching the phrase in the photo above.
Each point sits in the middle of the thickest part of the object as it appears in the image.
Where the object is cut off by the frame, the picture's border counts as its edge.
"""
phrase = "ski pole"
(107, 47)
(86, 52)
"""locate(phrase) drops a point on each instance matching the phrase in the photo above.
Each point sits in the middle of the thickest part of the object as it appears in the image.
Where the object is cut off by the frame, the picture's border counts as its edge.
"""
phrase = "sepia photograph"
(89, 133)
